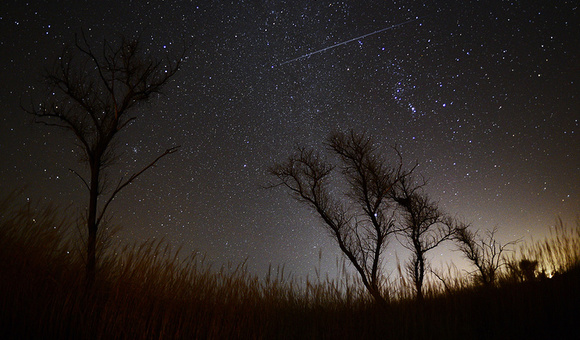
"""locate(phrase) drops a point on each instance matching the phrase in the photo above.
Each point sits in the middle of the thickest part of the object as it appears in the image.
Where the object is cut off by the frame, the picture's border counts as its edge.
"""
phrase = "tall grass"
(153, 291)
(559, 253)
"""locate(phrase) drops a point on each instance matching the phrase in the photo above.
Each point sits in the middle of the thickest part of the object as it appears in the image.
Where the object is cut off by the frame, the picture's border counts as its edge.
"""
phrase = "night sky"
(483, 94)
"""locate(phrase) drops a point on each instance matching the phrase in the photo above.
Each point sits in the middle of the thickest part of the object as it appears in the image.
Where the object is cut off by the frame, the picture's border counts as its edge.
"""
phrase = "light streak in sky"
(350, 40)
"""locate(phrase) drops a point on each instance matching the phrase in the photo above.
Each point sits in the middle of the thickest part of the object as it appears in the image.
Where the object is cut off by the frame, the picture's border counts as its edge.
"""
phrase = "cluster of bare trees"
(382, 200)
(363, 223)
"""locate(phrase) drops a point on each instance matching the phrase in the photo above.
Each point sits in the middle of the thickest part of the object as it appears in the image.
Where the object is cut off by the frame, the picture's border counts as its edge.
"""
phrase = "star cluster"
(482, 94)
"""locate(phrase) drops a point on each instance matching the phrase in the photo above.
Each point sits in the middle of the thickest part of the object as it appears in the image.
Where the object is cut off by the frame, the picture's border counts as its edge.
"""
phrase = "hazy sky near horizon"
(484, 95)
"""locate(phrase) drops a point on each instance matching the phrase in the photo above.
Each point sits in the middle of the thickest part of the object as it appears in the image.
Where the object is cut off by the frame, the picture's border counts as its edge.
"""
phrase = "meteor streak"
(347, 41)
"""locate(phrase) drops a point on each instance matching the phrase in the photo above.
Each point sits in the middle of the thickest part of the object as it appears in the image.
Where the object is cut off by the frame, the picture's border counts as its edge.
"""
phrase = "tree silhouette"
(93, 94)
(362, 219)
(486, 253)
(525, 270)
(423, 227)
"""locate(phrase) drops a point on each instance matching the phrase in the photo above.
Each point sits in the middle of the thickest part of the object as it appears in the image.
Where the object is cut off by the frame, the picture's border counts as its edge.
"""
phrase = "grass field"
(151, 291)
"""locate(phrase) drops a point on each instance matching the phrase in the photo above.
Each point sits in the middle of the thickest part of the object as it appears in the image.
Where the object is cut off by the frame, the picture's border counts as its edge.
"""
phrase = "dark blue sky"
(484, 95)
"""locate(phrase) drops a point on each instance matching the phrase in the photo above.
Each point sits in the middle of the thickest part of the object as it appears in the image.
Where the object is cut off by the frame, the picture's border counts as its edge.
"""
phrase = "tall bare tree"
(360, 220)
(485, 252)
(423, 226)
(94, 95)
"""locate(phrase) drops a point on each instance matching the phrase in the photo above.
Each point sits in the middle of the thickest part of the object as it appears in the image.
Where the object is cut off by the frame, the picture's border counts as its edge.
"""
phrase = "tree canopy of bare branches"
(423, 226)
(93, 94)
(361, 220)
(485, 252)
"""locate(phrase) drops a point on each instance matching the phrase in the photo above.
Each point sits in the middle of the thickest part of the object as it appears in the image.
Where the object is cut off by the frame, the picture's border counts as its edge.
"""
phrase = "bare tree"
(361, 220)
(93, 94)
(423, 227)
(486, 253)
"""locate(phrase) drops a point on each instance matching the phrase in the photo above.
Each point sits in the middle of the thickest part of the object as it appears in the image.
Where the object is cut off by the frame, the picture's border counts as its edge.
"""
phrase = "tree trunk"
(420, 275)
(92, 225)
(419, 292)
(376, 294)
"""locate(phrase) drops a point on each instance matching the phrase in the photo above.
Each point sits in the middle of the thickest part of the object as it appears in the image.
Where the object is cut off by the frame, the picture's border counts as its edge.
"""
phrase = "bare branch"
(122, 184)
(82, 179)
